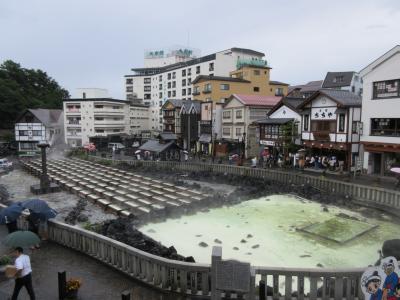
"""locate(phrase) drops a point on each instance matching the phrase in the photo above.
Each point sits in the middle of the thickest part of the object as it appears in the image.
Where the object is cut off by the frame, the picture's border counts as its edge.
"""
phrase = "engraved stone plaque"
(233, 275)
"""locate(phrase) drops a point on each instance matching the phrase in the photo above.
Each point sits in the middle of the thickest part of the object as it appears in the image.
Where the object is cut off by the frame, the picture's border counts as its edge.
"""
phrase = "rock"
(391, 248)
(319, 265)
(248, 253)
(185, 223)
(199, 235)
(227, 226)
(203, 244)
(151, 231)
(217, 241)
(243, 241)
(255, 246)
(82, 218)
(249, 236)
(305, 255)
(325, 209)
(235, 248)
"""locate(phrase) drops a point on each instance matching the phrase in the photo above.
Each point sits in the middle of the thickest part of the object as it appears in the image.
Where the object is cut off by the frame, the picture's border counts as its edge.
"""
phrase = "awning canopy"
(157, 147)
(205, 138)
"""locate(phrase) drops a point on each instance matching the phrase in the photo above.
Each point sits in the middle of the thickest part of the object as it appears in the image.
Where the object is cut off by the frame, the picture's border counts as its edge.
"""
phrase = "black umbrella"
(10, 213)
(39, 208)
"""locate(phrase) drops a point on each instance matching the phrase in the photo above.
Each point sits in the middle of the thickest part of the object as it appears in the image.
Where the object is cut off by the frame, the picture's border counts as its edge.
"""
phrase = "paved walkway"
(100, 282)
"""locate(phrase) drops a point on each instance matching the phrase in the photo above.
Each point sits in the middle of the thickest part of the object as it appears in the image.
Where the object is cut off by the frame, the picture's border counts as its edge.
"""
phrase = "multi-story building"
(140, 117)
(37, 125)
(189, 118)
(160, 80)
(238, 113)
(210, 125)
(91, 116)
(381, 113)
(329, 126)
(346, 81)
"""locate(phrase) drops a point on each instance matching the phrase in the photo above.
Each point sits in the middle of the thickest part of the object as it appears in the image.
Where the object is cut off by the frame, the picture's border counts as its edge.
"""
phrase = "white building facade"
(165, 81)
(381, 113)
(37, 125)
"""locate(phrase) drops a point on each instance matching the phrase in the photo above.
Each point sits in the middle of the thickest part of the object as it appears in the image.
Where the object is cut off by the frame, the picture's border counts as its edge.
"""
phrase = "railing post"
(261, 290)
(215, 258)
(62, 285)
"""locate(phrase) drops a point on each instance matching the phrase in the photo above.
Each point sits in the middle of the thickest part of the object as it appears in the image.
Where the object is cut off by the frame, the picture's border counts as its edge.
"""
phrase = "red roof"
(257, 100)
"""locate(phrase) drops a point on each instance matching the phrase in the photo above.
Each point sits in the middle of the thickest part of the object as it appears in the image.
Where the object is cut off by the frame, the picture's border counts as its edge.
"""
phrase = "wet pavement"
(100, 282)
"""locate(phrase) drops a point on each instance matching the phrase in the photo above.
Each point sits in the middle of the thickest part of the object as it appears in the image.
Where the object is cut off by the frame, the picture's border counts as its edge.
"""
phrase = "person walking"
(23, 275)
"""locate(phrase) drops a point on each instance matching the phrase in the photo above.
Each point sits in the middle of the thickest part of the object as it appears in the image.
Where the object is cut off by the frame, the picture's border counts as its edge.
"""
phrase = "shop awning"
(205, 138)
(156, 146)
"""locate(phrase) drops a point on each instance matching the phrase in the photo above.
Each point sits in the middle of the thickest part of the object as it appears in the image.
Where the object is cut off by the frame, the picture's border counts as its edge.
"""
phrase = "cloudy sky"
(93, 43)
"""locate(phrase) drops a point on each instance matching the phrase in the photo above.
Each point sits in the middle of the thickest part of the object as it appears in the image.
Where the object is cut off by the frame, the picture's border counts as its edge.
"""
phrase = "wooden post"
(62, 285)
(262, 290)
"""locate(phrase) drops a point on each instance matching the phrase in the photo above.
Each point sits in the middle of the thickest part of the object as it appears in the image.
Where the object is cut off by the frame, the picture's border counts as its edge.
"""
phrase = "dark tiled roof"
(218, 78)
(187, 104)
(174, 102)
(277, 121)
(291, 102)
(343, 98)
(168, 136)
(156, 146)
(308, 87)
(329, 81)
(273, 82)
(47, 116)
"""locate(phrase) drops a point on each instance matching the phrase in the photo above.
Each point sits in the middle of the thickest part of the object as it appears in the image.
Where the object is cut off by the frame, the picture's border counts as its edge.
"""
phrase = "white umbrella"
(137, 152)
(395, 170)
(184, 151)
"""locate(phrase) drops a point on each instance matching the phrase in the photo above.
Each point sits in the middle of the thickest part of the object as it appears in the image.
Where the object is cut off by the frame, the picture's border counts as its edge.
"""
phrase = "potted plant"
(73, 285)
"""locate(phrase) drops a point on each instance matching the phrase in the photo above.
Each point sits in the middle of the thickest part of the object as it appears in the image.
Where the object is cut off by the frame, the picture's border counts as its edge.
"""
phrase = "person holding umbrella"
(9, 216)
(23, 276)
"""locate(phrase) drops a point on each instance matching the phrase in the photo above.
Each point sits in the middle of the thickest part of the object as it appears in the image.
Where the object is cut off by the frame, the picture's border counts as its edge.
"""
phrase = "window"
(226, 131)
(211, 67)
(129, 81)
(256, 89)
(147, 88)
(173, 75)
(238, 131)
(323, 126)
(173, 93)
(226, 115)
(386, 89)
(198, 70)
(256, 72)
(147, 80)
(183, 82)
(160, 86)
(160, 78)
(189, 91)
(184, 92)
(239, 114)
(169, 76)
(173, 84)
(169, 85)
(306, 120)
(342, 118)
(196, 90)
(207, 88)
(338, 79)
(224, 87)
(23, 133)
(183, 72)
(385, 127)
(129, 88)
(147, 96)
(354, 127)
(160, 95)
(189, 72)
(279, 92)
(169, 94)
(189, 81)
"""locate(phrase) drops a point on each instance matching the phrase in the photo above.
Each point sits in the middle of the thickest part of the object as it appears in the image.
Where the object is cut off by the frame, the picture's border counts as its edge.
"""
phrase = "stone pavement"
(100, 282)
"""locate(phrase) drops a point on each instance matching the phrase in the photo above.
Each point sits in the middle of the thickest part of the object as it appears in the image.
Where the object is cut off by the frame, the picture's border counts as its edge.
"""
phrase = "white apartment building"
(381, 113)
(159, 80)
(139, 118)
(36, 125)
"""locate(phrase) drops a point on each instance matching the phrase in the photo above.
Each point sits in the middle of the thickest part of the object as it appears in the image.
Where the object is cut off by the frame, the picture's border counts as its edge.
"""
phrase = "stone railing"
(384, 199)
(197, 279)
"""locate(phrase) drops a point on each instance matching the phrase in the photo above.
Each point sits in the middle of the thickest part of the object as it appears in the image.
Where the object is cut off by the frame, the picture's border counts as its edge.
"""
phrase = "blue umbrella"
(39, 208)
(11, 213)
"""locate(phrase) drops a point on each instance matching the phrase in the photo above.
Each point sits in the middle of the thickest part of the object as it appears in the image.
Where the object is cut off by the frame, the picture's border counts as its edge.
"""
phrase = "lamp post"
(45, 186)
(243, 146)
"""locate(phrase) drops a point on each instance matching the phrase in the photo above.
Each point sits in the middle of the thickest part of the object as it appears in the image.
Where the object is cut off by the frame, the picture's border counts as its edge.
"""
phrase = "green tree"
(22, 88)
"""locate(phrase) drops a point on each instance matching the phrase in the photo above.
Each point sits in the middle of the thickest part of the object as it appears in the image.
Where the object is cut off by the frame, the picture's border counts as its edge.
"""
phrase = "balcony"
(73, 110)
(206, 91)
(74, 134)
(195, 93)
